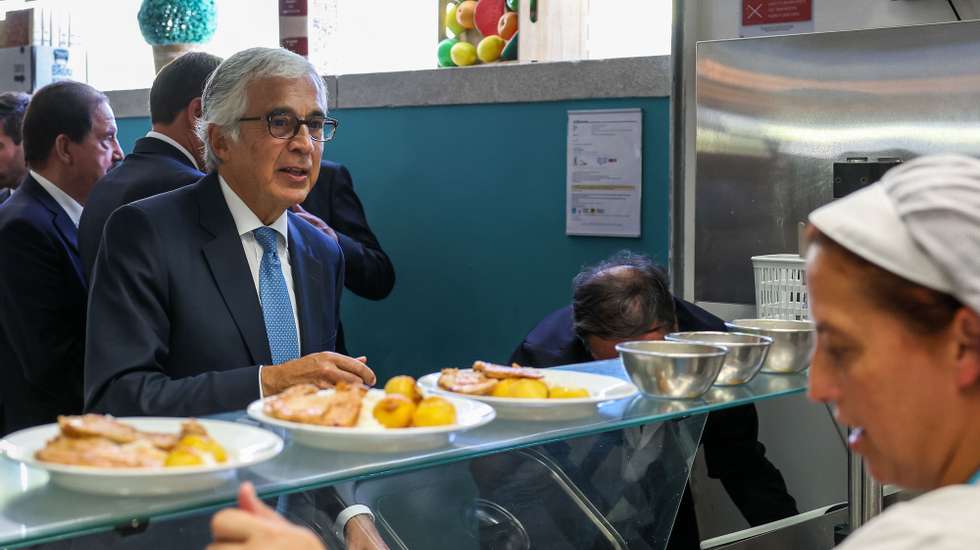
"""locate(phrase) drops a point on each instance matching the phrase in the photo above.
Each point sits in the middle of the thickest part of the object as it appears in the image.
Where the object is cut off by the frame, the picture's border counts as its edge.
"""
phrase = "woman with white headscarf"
(894, 283)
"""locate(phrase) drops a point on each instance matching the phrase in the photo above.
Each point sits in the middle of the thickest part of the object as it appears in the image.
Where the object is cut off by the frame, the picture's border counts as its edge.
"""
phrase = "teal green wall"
(468, 201)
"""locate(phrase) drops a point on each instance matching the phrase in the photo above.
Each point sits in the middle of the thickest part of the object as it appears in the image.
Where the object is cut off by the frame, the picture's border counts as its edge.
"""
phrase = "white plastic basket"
(780, 287)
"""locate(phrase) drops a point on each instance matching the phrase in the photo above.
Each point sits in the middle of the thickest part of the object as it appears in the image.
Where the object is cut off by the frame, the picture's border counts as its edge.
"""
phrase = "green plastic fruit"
(513, 5)
(445, 57)
(490, 48)
(510, 50)
(463, 54)
(453, 28)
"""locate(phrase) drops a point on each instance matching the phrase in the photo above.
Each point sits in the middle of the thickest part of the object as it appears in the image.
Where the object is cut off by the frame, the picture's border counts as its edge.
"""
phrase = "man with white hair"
(214, 295)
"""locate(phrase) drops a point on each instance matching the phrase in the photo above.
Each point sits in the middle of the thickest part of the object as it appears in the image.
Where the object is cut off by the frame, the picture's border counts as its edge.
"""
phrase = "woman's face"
(885, 379)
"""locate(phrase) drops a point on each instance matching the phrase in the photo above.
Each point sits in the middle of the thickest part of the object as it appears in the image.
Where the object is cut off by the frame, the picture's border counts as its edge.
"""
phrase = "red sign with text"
(769, 12)
(292, 7)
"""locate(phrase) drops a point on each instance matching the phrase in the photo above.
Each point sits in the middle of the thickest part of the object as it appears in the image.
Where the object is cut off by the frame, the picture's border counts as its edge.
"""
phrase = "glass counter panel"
(33, 510)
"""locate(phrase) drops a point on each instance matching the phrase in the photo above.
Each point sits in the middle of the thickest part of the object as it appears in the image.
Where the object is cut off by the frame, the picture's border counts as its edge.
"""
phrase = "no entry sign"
(762, 17)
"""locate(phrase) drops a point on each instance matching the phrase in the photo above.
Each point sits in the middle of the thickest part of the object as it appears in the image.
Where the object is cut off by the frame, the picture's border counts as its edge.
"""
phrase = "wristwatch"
(346, 515)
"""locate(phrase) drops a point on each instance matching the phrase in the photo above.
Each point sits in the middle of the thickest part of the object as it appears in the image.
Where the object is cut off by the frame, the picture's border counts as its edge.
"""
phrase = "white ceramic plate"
(245, 445)
(601, 389)
(374, 438)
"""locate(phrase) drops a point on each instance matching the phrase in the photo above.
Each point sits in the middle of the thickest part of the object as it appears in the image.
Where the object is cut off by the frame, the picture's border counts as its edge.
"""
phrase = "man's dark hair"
(621, 297)
(64, 107)
(178, 83)
(13, 105)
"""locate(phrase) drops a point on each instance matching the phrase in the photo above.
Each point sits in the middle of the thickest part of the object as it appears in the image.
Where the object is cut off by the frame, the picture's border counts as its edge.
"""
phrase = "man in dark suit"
(169, 157)
(13, 105)
(627, 298)
(69, 142)
(368, 272)
(208, 297)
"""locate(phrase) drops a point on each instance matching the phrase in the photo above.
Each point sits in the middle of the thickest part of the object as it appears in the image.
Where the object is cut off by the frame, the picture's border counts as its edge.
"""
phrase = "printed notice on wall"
(770, 17)
(604, 173)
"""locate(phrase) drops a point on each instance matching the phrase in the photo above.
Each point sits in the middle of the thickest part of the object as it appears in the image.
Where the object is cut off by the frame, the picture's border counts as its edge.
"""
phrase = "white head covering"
(920, 222)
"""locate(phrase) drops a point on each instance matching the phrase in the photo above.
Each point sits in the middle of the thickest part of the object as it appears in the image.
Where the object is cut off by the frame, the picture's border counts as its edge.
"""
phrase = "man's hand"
(314, 221)
(255, 526)
(360, 534)
(323, 369)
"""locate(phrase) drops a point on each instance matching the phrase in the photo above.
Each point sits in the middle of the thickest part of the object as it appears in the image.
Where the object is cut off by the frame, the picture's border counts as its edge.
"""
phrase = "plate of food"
(528, 393)
(351, 417)
(100, 454)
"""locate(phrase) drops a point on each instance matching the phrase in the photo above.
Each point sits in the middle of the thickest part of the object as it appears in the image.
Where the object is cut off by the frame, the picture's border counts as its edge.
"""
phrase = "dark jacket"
(553, 341)
(369, 272)
(177, 329)
(42, 310)
(152, 168)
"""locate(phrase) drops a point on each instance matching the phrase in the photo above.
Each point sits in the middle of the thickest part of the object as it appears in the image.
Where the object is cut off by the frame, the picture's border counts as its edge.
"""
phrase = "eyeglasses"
(286, 125)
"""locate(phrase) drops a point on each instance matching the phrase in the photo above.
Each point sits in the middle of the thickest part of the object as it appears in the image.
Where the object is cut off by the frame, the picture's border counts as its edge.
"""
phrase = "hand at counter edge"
(255, 526)
(322, 369)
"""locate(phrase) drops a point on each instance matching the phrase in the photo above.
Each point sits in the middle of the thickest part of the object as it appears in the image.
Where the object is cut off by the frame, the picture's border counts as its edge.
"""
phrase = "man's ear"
(62, 149)
(220, 143)
(193, 112)
(966, 334)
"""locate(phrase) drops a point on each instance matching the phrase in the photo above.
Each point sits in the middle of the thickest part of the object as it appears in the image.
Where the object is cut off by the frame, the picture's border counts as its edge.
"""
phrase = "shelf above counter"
(32, 510)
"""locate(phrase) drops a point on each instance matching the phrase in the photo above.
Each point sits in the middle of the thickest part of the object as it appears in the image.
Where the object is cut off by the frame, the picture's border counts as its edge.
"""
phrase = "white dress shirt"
(68, 204)
(246, 221)
(170, 141)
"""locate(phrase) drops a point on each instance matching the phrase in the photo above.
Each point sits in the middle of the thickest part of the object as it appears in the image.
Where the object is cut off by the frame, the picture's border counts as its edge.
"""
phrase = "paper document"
(604, 173)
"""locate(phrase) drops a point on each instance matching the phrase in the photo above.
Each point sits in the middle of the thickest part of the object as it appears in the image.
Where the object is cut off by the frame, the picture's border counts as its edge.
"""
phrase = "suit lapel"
(60, 218)
(228, 265)
(308, 286)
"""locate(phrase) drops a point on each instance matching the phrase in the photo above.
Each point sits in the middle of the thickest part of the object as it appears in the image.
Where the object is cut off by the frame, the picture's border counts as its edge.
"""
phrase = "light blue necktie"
(280, 326)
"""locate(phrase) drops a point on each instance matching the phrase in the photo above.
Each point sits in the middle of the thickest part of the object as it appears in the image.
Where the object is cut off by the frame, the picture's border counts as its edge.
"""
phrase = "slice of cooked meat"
(192, 427)
(345, 405)
(101, 452)
(306, 404)
(503, 371)
(301, 403)
(466, 381)
(97, 425)
(165, 442)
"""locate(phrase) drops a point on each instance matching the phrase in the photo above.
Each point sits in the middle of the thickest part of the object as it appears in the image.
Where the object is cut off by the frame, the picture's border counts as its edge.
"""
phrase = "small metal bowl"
(792, 342)
(746, 353)
(672, 370)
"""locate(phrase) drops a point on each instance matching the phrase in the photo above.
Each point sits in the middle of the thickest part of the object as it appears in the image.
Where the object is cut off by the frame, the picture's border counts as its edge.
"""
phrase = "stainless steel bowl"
(792, 342)
(746, 353)
(674, 370)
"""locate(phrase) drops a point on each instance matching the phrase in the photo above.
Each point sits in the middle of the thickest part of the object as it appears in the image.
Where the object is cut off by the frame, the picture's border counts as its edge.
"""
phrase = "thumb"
(249, 502)
(363, 359)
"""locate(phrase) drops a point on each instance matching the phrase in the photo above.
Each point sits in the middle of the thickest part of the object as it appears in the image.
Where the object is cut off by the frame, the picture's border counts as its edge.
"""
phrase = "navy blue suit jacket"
(553, 341)
(4, 195)
(369, 272)
(152, 168)
(42, 310)
(177, 328)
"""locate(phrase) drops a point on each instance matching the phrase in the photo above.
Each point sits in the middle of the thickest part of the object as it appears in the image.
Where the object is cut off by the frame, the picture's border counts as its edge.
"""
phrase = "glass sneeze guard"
(33, 510)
